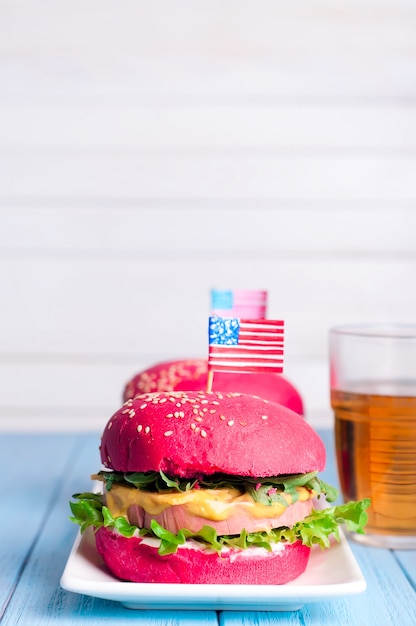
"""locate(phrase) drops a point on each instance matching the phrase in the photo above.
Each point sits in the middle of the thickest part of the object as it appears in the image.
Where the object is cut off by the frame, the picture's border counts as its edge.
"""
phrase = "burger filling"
(218, 510)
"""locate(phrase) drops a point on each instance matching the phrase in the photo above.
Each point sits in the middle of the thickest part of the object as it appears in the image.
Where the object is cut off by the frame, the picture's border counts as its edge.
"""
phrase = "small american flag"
(239, 303)
(245, 345)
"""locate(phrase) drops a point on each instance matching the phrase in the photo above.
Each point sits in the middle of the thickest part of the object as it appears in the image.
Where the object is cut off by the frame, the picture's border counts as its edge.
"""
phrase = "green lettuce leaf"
(264, 490)
(315, 529)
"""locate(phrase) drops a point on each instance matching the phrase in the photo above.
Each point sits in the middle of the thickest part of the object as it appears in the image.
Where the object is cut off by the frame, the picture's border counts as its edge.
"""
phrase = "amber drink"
(373, 396)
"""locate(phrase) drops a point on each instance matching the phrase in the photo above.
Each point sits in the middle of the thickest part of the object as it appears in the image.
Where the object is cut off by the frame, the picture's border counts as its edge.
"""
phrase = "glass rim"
(378, 330)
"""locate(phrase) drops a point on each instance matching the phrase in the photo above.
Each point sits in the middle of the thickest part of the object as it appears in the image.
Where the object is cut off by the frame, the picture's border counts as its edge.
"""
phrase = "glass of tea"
(373, 396)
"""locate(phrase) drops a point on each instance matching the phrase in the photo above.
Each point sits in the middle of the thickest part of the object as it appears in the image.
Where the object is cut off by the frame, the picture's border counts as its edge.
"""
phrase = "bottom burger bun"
(211, 487)
(191, 375)
(135, 560)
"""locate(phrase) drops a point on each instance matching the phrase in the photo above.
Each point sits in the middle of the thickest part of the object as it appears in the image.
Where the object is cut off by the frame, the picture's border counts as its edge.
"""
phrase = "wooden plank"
(378, 605)
(31, 489)
(187, 50)
(82, 397)
(38, 598)
(128, 176)
(407, 560)
(146, 231)
(245, 128)
(100, 308)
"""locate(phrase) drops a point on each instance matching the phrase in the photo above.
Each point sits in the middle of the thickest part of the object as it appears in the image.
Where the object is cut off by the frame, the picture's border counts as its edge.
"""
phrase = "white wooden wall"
(152, 150)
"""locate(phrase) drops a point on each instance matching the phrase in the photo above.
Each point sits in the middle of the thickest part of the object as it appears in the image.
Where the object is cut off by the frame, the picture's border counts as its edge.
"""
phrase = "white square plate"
(331, 573)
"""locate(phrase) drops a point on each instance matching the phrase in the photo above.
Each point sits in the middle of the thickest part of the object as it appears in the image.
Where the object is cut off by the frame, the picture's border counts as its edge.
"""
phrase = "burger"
(191, 375)
(211, 488)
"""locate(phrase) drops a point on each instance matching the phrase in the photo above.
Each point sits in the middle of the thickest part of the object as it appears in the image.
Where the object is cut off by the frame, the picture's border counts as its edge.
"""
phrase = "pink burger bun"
(191, 375)
(221, 450)
(132, 559)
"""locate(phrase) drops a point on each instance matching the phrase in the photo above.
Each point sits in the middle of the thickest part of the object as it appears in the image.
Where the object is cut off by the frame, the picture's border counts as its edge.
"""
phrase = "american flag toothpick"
(241, 303)
(244, 345)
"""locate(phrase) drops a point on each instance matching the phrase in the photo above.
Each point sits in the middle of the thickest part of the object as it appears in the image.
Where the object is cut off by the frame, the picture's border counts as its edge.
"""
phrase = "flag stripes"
(248, 345)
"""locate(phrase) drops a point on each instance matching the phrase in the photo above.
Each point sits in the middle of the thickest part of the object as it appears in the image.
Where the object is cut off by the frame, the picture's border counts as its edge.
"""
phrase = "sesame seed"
(193, 426)
(162, 400)
(213, 411)
(203, 433)
(178, 404)
(109, 425)
(181, 414)
(222, 417)
(215, 402)
(143, 406)
(204, 401)
(198, 419)
(264, 417)
(147, 429)
(169, 415)
(230, 423)
(139, 428)
(168, 433)
(176, 414)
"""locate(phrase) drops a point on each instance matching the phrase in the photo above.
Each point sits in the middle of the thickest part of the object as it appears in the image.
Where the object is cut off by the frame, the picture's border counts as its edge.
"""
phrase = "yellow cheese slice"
(212, 504)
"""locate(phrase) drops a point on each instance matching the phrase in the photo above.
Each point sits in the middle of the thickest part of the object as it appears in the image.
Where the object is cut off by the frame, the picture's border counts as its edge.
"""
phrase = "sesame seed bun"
(186, 433)
(191, 375)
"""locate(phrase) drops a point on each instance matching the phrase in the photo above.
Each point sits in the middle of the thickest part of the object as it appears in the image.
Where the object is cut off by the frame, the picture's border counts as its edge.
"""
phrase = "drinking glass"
(373, 396)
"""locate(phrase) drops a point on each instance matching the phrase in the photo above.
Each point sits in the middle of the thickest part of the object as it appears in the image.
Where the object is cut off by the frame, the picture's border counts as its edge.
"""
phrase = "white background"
(150, 151)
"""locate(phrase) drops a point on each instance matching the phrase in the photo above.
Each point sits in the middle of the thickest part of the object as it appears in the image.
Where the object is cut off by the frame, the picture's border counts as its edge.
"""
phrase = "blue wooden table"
(39, 473)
